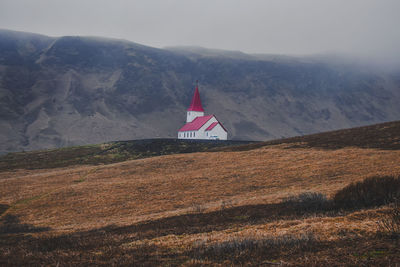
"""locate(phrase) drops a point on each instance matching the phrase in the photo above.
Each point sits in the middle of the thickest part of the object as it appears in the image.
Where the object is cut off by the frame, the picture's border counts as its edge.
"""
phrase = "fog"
(361, 28)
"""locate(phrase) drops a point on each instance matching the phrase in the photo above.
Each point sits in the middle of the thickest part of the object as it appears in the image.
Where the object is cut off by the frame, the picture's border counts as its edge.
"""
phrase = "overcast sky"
(370, 28)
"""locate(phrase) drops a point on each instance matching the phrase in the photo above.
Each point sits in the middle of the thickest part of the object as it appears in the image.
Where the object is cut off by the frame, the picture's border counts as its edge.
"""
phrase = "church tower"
(195, 109)
(199, 126)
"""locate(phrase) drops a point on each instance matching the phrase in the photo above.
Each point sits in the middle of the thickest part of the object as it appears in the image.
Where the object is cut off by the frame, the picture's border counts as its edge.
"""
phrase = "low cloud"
(363, 28)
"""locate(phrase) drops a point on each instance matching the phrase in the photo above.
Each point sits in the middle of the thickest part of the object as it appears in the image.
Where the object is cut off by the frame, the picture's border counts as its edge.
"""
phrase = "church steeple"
(195, 109)
(195, 105)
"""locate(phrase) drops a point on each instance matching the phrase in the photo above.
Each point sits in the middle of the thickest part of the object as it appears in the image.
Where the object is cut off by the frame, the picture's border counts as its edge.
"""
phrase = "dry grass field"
(227, 207)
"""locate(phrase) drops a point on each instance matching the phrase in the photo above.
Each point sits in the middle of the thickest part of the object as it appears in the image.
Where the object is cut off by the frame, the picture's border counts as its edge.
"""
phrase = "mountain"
(64, 91)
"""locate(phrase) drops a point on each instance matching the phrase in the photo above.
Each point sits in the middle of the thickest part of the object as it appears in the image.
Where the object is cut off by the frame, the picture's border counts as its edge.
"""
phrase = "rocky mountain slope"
(82, 90)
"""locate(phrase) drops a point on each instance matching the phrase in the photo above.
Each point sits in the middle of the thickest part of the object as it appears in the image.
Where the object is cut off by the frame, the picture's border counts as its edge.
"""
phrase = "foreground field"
(208, 208)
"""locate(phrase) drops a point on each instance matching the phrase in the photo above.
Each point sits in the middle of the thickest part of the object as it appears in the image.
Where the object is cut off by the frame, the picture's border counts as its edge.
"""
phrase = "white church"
(199, 126)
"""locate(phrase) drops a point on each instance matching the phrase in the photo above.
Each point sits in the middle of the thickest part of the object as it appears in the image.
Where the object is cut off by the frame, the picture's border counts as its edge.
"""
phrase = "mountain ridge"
(63, 91)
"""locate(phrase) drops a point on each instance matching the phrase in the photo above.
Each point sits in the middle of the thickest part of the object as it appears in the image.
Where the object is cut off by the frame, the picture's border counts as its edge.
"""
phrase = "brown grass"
(163, 206)
(151, 188)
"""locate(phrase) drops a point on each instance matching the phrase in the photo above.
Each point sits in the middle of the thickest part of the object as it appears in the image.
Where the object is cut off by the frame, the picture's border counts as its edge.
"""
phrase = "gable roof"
(212, 125)
(195, 105)
(216, 125)
(196, 123)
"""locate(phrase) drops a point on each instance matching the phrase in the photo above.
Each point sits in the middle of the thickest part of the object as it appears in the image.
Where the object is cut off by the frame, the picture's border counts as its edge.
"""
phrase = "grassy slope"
(180, 209)
(107, 153)
(384, 136)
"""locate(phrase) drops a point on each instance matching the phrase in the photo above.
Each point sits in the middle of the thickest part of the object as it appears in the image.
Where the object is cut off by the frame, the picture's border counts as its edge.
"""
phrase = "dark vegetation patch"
(80, 249)
(240, 250)
(302, 250)
(381, 136)
(107, 153)
(371, 192)
(10, 224)
(390, 222)
(3, 208)
(308, 202)
(103, 248)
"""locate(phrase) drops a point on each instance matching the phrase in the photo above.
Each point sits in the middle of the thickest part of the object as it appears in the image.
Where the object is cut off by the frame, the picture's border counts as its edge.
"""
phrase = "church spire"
(195, 105)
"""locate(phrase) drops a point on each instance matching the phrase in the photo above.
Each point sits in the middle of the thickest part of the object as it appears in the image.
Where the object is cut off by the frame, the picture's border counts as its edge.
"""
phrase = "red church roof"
(196, 123)
(195, 105)
(212, 125)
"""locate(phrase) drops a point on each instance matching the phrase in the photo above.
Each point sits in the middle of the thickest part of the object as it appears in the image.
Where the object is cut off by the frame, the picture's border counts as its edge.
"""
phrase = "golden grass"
(357, 224)
(148, 202)
(87, 197)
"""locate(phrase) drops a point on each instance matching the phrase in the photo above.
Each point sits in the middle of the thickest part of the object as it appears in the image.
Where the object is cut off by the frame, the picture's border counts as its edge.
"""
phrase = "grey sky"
(368, 28)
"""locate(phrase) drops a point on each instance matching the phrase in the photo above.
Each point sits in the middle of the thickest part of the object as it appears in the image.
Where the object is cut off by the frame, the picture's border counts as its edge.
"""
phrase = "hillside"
(108, 153)
(239, 205)
(68, 91)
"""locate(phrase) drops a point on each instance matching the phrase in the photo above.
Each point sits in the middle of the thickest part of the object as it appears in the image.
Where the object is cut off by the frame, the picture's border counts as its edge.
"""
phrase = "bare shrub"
(308, 201)
(242, 246)
(390, 223)
(373, 191)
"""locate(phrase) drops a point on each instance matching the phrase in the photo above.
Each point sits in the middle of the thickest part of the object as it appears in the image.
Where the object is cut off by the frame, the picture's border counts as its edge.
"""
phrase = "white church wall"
(217, 133)
(187, 135)
(201, 132)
